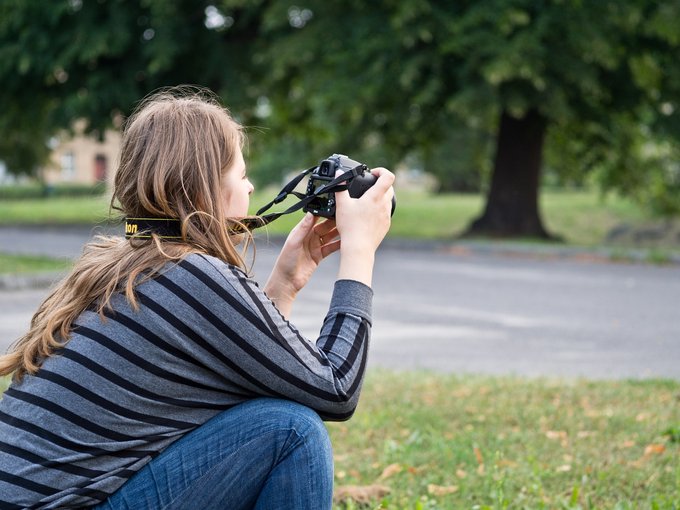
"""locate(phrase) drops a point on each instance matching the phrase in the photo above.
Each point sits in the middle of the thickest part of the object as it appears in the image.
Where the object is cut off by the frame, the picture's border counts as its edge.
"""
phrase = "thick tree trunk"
(512, 204)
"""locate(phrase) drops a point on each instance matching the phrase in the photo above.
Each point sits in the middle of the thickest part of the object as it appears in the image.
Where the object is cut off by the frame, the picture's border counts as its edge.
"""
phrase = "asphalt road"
(471, 312)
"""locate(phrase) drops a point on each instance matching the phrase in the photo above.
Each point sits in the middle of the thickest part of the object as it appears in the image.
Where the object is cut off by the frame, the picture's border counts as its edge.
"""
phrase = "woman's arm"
(357, 230)
(362, 224)
(306, 246)
(229, 326)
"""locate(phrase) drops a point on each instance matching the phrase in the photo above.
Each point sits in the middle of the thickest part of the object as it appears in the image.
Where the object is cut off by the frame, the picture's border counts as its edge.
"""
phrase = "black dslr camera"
(321, 187)
(361, 179)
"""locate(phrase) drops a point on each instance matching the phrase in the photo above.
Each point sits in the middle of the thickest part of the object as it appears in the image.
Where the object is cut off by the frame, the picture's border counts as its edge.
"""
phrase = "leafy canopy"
(380, 80)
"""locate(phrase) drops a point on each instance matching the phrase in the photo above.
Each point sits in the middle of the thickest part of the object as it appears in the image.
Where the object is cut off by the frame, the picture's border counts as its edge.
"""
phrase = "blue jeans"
(262, 454)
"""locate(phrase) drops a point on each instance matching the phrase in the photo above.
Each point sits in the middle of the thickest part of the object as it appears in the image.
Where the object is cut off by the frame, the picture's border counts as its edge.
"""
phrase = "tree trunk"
(512, 204)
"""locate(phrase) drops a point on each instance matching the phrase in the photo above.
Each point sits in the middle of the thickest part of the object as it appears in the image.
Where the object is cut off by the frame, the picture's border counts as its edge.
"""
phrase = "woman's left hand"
(306, 246)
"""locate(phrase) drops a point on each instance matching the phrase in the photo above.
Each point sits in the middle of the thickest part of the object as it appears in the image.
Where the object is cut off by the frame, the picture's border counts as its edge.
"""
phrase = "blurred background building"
(82, 159)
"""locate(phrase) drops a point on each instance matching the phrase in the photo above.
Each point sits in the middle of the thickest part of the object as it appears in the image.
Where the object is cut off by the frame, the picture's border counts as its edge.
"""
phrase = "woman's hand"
(362, 224)
(306, 246)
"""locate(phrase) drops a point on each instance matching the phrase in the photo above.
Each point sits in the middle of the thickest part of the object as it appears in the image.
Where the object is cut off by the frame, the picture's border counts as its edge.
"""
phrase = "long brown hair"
(174, 151)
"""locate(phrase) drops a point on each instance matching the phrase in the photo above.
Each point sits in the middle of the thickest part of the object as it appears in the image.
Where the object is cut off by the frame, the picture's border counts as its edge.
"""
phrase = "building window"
(68, 166)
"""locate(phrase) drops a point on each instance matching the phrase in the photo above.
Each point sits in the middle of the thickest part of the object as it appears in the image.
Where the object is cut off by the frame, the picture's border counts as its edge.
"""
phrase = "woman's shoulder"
(207, 269)
(204, 277)
(210, 264)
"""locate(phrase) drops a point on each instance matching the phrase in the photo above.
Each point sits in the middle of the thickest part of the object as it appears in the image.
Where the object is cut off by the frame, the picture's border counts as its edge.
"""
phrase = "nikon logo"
(130, 228)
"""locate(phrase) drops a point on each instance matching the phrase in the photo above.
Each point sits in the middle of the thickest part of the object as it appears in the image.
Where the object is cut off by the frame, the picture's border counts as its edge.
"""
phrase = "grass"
(435, 442)
(583, 218)
(55, 211)
(449, 442)
(12, 264)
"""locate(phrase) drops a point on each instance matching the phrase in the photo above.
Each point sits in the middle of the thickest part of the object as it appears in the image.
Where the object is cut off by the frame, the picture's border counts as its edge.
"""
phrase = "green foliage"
(462, 162)
(382, 81)
(61, 61)
(622, 155)
(430, 78)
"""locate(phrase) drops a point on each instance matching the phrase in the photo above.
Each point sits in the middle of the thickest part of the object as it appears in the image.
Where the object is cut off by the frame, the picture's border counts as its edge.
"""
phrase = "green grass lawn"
(12, 264)
(449, 442)
(55, 211)
(581, 217)
(435, 442)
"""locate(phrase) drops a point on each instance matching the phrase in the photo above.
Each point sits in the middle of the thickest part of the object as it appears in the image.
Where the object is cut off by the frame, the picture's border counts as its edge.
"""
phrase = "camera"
(323, 204)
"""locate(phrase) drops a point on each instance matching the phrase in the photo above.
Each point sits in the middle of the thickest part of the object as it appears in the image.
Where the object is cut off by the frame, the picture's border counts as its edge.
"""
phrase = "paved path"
(491, 314)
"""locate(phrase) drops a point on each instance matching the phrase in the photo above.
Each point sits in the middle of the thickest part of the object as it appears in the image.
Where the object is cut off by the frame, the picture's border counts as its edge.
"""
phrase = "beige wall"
(83, 159)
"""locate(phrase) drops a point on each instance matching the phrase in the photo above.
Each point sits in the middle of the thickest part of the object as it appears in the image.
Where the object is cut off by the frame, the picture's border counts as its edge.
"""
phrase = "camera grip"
(361, 183)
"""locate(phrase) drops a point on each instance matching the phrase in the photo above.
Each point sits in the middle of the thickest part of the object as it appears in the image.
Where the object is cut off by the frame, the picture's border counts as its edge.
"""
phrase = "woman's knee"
(299, 419)
(288, 412)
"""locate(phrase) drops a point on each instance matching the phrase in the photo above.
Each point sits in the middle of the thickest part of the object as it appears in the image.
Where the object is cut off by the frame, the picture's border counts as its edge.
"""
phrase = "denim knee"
(298, 418)
(303, 419)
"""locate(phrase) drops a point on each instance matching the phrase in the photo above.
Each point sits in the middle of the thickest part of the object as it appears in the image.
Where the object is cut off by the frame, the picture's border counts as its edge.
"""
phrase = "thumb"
(341, 196)
(305, 225)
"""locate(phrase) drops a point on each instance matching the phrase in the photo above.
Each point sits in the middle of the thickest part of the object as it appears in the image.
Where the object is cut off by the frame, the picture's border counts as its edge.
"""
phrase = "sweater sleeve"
(249, 342)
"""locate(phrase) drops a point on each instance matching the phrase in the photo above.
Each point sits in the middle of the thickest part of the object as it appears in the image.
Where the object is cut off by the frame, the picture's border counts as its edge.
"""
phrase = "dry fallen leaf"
(460, 473)
(564, 468)
(415, 470)
(359, 493)
(441, 490)
(480, 460)
(652, 449)
(390, 470)
(478, 455)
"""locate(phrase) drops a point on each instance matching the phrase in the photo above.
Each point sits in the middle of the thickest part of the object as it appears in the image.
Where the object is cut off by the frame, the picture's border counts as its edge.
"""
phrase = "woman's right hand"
(362, 224)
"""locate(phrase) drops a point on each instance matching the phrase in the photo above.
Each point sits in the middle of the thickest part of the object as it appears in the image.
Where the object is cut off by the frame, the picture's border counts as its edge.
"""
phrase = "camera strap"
(141, 228)
(289, 188)
(171, 228)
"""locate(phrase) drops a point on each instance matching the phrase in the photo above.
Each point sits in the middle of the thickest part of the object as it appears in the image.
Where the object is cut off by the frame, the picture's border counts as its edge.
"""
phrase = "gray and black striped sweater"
(204, 339)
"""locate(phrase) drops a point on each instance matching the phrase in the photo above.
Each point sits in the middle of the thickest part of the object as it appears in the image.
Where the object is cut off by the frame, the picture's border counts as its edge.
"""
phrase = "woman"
(158, 374)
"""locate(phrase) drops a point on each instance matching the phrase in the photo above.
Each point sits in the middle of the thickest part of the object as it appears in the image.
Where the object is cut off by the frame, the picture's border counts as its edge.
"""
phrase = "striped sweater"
(122, 389)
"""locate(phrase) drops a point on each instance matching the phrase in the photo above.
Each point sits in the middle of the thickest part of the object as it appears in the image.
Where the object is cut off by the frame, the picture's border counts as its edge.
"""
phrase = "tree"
(62, 61)
(407, 70)
(380, 80)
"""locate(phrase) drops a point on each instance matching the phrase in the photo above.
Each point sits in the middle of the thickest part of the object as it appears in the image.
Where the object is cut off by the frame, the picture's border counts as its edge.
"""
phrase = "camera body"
(324, 204)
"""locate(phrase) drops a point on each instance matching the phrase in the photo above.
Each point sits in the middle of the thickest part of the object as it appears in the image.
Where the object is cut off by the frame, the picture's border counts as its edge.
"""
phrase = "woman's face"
(236, 189)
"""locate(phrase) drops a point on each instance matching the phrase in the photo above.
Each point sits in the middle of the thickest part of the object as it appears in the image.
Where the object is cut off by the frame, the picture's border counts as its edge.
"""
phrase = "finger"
(390, 194)
(328, 237)
(331, 234)
(329, 248)
(384, 182)
(306, 224)
(324, 228)
(341, 196)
